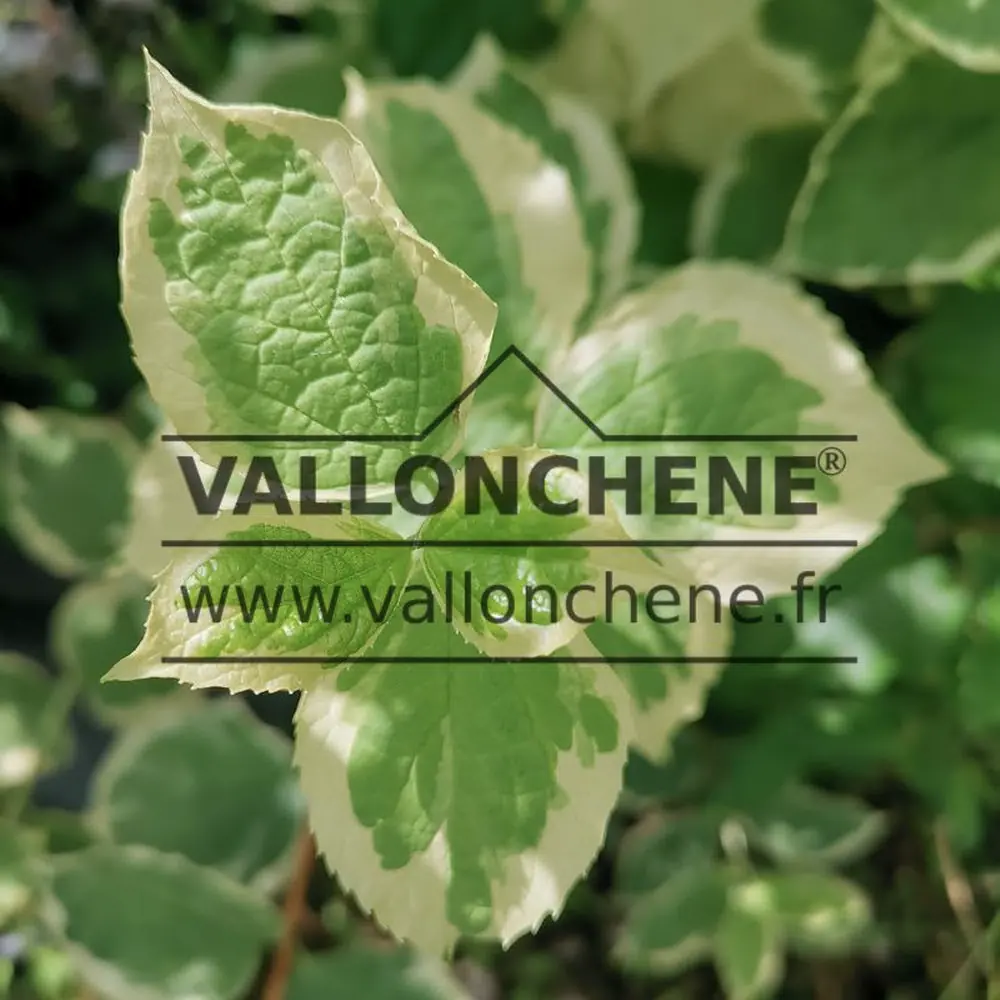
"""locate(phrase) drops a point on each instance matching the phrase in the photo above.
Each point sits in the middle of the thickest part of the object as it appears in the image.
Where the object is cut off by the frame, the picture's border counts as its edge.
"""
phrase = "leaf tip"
(356, 103)
(163, 87)
(118, 672)
(483, 64)
(157, 74)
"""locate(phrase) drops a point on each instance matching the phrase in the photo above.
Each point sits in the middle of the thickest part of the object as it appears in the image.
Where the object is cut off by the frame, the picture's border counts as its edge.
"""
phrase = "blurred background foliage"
(856, 808)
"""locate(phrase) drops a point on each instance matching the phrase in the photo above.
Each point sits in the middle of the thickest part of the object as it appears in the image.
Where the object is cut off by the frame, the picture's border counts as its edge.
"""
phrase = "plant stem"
(294, 913)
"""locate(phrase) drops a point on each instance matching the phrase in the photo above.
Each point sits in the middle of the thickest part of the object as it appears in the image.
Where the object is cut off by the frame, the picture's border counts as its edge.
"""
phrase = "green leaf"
(501, 422)
(671, 929)
(302, 73)
(967, 33)
(515, 600)
(430, 37)
(95, 624)
(20, 853)
(820, 913)
(563, 11)
(144, 924)
(828, 34)
(269, 596)
(805, 825)
(590, 63)
(659, 849)
(271, 286)
(62, 830)
(978, 676)
(979, 551)
(666, 193)
(374, 975)
(655, 40)
(27, 745)
(214, 785)
(50, 973)
(293, 8)
(897, 620)
(942, 380)
(739, 88)
(665, 696)
(460, 798)
(491, 202)
(19, 339)
(683, 777)
(724, 349)
(765, 758)
(748, 946)
(51, 455)
(139, 414)
(573, 135)
(161, 506)
(885, 47)
(742, 207)
(935, 224)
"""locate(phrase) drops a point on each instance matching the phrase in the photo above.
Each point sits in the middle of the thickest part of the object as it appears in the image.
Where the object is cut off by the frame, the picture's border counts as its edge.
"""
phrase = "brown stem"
(961, 899)
(294, 913)
(828, 981)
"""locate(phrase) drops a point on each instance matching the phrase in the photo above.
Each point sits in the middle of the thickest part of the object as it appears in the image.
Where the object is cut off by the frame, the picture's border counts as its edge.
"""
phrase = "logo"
(677, 481)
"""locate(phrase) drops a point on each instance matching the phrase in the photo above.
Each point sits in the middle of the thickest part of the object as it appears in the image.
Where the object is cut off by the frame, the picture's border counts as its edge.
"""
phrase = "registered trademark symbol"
(831, 461)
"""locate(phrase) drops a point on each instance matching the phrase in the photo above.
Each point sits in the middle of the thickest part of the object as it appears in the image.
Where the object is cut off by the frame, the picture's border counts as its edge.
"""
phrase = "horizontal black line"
(635, 660)
(505, 543)
(724, 438)
(605, 438)
(484, 375)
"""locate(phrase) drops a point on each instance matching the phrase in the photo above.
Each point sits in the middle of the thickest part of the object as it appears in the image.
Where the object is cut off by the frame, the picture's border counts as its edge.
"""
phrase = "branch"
(962, 900)
(294, 913)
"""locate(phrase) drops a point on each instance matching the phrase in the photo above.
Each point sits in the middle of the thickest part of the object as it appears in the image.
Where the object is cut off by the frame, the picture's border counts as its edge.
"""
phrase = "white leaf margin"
(410, 902)
(776, 317)
(444, 294)
(518, 184)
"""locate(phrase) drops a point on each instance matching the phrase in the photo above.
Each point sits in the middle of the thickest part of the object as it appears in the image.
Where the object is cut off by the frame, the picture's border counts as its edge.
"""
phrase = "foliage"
(617, 221)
